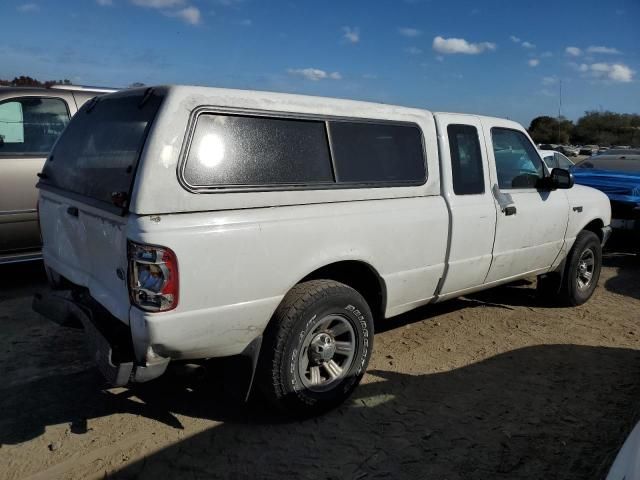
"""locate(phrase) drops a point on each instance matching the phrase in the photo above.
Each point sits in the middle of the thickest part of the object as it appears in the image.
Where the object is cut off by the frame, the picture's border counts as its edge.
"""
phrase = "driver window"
(518, 165)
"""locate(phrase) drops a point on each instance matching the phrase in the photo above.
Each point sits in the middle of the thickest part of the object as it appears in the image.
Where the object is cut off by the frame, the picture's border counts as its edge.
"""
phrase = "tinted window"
(466, 160)
(372, 152)
(98, 153)
(517, 162)
(31, 125)
(238, 150)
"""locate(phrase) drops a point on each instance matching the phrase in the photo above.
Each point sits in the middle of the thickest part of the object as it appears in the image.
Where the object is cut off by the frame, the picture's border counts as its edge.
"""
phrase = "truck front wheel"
(582, 269)
(316, 349)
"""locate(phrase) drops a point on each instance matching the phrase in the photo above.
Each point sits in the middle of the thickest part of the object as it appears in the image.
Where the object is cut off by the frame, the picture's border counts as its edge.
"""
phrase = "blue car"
(618, 176)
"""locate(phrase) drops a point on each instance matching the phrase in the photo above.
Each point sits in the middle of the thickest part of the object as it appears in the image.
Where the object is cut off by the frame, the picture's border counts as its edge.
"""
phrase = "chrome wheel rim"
(327, 353)
(586, 267)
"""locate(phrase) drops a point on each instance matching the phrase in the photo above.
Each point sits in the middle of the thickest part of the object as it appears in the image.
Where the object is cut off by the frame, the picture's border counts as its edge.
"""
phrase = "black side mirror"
(561, 178)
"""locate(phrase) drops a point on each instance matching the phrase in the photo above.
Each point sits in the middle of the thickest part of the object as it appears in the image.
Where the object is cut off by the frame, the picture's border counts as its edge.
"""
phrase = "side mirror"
(561, 178)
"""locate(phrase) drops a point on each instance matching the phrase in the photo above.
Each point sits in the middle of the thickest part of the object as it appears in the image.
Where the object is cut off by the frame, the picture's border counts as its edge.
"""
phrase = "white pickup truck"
(186, 223)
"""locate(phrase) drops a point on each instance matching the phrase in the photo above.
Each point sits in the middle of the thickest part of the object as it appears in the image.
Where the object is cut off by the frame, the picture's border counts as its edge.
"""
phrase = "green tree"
(608, 128)
(550, 130)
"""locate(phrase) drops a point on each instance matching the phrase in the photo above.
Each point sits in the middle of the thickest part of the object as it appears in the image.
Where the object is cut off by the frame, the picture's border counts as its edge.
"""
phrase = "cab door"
(531, 223)
(29, 126)
(466, 187)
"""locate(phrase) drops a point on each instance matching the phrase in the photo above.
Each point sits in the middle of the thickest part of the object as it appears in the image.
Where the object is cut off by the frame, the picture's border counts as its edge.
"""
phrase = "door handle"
(510, 210)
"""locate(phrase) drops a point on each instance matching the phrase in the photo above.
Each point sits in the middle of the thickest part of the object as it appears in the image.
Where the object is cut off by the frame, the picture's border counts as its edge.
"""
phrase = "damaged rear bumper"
(109, 340)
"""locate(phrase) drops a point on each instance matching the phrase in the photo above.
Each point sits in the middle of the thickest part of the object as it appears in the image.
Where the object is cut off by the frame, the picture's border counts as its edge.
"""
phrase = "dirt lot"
(496, 385)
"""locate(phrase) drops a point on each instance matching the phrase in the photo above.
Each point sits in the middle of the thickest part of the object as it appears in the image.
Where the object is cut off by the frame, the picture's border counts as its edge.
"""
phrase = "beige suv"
(31, 119)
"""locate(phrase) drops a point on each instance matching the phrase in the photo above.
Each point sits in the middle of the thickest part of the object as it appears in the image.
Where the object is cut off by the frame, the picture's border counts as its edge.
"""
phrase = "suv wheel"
(317, 347)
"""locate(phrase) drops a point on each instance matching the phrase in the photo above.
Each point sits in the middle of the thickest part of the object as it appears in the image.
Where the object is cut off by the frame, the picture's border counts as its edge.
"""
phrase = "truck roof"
(196, 96)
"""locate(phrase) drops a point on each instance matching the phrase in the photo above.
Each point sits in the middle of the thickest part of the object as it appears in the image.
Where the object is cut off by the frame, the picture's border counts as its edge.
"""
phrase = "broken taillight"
(153, 277)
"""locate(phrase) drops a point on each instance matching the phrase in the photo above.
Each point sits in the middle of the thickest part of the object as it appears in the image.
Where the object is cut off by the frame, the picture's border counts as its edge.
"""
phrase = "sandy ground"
(496, 385)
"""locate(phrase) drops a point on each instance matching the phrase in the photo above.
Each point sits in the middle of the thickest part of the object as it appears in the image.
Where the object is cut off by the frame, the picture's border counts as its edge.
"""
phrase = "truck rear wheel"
(316, 349)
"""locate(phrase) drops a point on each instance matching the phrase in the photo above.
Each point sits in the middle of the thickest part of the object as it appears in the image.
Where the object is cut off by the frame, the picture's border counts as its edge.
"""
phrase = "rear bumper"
(109, 340)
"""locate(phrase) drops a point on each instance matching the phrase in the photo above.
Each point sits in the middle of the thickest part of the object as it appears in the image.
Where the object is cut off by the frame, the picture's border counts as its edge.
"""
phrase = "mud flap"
(239, 371)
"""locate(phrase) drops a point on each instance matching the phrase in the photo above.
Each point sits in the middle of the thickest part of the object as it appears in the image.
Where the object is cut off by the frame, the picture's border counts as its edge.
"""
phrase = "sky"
(492, 57)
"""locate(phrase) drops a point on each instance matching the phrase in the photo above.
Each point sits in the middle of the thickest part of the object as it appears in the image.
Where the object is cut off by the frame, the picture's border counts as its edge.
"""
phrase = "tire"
(577, 287)
(320, 325)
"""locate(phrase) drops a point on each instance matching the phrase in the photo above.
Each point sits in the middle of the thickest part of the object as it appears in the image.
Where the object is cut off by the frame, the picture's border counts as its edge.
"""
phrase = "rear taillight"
(153, 277)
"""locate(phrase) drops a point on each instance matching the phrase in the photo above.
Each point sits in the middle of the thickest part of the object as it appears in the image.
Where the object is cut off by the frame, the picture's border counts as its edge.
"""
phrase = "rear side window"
(31, 125)
(97, 155)
(377, 152)
(466, 160)
(230, 150)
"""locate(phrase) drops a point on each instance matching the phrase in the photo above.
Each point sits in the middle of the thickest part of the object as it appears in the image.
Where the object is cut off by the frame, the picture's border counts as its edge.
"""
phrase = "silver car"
(31, 119)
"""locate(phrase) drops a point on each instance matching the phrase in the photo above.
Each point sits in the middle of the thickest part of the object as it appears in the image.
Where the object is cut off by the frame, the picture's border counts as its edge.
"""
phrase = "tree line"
(593, 128)
(24, 81)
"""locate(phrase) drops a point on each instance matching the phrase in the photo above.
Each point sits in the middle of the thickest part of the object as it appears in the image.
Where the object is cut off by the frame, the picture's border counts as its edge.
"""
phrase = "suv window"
(466, 160)
(377, 152)
(31, 125)
(230, 150)
(518, 165)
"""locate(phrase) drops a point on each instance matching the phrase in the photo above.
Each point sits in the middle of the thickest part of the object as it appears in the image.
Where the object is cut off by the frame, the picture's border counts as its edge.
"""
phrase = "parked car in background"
(567, 150)
(553, 159)
(31, 119)
(588, 150)
(186, 223)
(547, 146)
(618, 176)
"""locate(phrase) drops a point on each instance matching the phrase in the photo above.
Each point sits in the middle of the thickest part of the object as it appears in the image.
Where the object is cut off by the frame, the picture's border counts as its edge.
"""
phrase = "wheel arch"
(596, 225)
(359, 275)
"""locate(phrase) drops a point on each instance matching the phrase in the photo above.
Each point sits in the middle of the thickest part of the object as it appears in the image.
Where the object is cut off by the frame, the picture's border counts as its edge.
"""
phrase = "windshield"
(97, 154)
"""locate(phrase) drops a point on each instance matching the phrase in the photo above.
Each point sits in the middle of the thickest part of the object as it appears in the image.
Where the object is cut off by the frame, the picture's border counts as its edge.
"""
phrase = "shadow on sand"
(551, 411)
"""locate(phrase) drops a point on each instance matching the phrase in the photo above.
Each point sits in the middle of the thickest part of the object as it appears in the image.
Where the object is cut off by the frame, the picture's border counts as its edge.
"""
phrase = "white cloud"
(460, 45)
(247, 22)
(413, 51)
(158, 3)
(191, 15)
(549, 81)
(616, 72)
(528, 45)
(28, 8)
(605, 50)
(105, 3)
(546, 54)
(515, 39)
(410, 32)
(573, 51)
(534, 62)
(173, 8)
(314, 74)
(351, 35)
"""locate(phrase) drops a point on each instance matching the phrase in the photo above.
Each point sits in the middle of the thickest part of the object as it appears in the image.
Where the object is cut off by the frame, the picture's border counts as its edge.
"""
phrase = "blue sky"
(494, 57)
